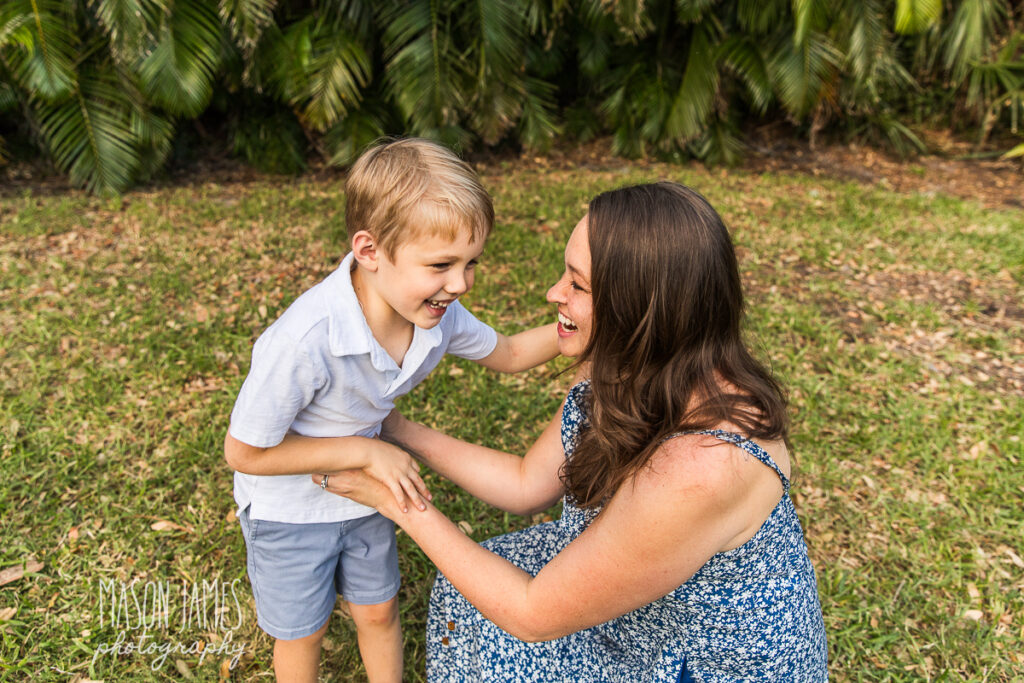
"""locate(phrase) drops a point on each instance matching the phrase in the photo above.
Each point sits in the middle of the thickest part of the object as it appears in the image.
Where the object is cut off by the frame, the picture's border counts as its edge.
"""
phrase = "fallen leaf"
(225, 669)
(466, 528)
(231, 517)
(18, 571)
(73, 533)
(201, 312)
(166, 525)
(973, 614)
(972, 591)
(8, 613)
(183, 669)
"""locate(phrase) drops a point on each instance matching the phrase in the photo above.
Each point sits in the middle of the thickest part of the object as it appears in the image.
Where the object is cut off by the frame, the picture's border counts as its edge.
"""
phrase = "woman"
(679, 555)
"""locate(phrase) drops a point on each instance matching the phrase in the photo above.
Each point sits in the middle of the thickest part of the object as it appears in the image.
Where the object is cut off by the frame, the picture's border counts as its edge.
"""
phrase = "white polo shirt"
(318, 371)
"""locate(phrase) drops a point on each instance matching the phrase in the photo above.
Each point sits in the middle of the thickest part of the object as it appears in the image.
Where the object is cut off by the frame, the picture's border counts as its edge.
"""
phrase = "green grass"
(126, 326)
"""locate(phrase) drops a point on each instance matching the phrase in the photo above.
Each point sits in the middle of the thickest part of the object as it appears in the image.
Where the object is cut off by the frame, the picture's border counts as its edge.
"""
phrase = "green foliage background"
(103, 87)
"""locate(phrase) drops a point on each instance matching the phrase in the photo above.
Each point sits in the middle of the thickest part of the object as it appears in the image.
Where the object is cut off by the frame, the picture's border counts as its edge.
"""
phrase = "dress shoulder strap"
(742, 442)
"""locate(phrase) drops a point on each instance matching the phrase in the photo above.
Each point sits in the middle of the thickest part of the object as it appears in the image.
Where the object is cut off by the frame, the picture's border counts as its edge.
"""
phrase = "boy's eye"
(439, 266)
(472, 264)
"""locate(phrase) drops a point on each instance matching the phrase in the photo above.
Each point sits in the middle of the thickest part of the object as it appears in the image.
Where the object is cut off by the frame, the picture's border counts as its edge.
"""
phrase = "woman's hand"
(362, 488)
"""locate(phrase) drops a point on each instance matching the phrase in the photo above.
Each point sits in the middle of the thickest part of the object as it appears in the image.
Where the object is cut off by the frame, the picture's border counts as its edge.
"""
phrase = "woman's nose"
(556, 294)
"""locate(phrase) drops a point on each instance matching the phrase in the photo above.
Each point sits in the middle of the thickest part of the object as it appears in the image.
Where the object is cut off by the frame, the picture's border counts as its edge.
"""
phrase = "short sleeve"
(282, 381)
(470, 339)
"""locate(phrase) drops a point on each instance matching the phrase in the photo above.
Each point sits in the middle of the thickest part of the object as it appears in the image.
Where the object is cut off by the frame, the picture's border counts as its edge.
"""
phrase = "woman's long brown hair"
(666, 349)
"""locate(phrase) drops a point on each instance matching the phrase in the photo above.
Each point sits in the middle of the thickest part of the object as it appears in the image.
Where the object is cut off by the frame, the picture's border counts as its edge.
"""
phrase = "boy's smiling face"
(423, 277)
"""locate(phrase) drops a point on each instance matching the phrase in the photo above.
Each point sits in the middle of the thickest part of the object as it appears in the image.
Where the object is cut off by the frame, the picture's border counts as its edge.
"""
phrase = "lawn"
(895, 320)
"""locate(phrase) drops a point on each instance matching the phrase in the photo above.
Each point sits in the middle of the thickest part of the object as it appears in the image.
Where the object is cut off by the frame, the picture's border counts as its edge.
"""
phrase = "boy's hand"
(397, 470)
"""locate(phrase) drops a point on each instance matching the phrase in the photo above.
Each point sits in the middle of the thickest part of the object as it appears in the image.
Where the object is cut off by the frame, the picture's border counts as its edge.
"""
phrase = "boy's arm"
(329, 455)
(524, 350)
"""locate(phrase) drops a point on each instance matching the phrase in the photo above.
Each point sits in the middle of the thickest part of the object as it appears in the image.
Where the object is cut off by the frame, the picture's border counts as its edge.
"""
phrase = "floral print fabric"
(751, 613)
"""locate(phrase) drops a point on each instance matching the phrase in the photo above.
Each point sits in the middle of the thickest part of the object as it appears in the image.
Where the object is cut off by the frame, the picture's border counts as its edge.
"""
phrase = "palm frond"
(864, 26)
(915, 16)
(741, 56)
(693, 101)
(347, 139)
(594, 47)
(8, 97)
(498, 49)
(631, 17)
(761, 16)
(338, 69)
(1017, 151)
(802, 72)
(970, 33)
(154, 136)
(268, 136)
(129, 25)
(89, 134)
(538, 125)
(808, 16)
(247, 20)
(719, 144)
(178, 74)
(692, 11)
(41, 46)
(420, 71)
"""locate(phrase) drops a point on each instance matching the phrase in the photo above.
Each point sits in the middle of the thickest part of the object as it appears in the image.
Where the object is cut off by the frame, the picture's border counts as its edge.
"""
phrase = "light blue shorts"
(298, 570)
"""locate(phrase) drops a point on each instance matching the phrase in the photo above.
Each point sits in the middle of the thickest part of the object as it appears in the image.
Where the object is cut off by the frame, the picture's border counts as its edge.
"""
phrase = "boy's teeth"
(566, 323)
(441, 304)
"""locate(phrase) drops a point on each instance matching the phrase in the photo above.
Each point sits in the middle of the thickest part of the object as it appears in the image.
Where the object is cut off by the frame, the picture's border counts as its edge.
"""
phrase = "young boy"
(325, 375)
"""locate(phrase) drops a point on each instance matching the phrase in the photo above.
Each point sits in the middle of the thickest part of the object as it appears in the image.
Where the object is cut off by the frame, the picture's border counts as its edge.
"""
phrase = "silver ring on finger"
(323, 482)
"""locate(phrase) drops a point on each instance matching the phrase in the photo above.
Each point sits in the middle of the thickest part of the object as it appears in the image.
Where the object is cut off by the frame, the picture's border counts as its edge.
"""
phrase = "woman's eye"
(576, 286)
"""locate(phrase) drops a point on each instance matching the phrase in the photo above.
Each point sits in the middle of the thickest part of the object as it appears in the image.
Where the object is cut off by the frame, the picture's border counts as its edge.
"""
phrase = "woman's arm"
(693, 501)
(520, 485)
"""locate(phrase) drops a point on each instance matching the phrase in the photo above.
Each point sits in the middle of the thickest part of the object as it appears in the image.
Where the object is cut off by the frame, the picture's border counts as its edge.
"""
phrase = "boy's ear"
(364, 250)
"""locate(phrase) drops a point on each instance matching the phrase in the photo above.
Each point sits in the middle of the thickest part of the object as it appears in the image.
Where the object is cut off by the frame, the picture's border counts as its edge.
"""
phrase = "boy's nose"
(457, 283)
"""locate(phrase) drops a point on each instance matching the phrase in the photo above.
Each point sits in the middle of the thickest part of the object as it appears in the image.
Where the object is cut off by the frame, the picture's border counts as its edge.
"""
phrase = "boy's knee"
(381, 615)
(312, 640)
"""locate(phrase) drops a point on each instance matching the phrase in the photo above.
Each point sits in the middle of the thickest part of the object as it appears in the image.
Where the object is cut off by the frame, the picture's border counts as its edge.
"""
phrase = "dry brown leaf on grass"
(18, 571)
(8, 613)
(183, 669)
(167, 525)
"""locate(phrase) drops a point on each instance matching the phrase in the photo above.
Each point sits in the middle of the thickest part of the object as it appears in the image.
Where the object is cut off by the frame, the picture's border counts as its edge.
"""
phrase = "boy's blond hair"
(407, 188)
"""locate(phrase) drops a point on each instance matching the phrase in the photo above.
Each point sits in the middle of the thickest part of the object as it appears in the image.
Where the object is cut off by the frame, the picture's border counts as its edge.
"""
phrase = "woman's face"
(572, 294)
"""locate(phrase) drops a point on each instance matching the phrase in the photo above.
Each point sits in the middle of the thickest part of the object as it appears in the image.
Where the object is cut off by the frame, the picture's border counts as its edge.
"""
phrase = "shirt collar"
(349, 332)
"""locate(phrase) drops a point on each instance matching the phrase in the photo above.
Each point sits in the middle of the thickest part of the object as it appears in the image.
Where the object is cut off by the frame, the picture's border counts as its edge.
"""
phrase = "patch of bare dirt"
(994, 182)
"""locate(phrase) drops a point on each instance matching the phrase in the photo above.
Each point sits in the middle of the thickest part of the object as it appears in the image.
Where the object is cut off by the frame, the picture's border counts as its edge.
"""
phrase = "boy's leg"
(298, 661)
(380, 640)
(292, 569)
(368, 579)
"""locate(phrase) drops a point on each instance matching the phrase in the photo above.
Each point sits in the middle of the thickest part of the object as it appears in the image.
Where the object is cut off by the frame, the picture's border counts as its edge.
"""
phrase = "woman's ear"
(364, 250)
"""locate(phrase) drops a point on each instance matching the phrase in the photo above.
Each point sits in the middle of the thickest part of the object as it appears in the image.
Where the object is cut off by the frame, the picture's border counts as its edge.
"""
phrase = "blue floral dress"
(751, 613)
